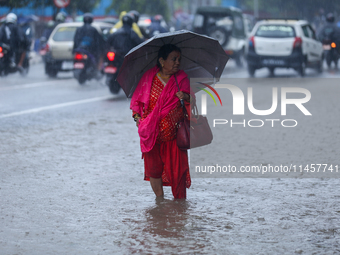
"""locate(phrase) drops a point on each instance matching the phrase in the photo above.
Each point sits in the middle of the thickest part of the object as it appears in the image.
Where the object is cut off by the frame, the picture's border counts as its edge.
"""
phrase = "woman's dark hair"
(164, 52)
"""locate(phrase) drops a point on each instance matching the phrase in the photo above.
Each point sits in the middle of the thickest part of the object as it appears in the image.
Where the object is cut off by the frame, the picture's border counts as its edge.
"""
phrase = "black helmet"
(135, 15)
(88, 18)
(127, 20)
(158, 18)
(330, 17)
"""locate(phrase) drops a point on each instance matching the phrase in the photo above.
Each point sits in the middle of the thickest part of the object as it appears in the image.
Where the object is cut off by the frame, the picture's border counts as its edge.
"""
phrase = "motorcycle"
(6, 66)
(113, 61)
(84, 66)
(331, 52)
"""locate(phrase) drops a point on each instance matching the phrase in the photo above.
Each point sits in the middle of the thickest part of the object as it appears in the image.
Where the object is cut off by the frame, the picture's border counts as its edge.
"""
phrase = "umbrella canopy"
(202, 57)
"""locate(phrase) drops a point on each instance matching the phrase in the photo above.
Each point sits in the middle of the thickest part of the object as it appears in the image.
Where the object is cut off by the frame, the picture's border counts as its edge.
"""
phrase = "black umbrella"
(202, 57)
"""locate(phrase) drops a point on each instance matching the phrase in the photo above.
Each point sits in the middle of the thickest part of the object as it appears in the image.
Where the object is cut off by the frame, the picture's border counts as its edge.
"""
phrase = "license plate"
(67, 65)
(278, 62)
(79, 65)
(326, 47)
(110, 69)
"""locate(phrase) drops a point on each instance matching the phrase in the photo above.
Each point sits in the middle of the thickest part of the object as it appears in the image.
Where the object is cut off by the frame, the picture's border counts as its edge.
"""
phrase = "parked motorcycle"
(6, 64)
(112, 63)
(331, 52)
(84, 66)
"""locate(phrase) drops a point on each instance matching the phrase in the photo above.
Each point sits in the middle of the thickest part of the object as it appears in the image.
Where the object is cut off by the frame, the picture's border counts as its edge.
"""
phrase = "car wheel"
(251, 70)
(302, 69)
(240, 58)
(220, 34)
(52, 73)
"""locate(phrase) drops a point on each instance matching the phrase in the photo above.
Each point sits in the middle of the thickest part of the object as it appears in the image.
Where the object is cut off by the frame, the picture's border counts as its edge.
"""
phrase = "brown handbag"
(193, 132)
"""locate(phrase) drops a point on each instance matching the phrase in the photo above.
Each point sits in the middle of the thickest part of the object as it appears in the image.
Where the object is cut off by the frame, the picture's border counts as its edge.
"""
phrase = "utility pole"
(171, 7)
(256, 9)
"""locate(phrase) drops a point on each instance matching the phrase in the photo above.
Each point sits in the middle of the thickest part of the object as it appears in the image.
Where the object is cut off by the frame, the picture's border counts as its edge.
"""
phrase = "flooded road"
(76, 187)
(71, 182)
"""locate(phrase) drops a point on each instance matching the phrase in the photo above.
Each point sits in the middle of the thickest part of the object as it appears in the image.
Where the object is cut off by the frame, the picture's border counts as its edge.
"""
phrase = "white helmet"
(11, 18)
(61, 17)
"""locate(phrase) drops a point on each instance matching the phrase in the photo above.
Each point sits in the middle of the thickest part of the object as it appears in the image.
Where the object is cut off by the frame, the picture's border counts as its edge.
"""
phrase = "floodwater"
(75, 186)
(66, 189)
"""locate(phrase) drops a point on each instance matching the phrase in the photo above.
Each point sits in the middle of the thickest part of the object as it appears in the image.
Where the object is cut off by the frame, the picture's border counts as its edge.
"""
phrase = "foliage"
(81, 5)
(302, 9)
(75, 5)
(150, 7)
(14, 3)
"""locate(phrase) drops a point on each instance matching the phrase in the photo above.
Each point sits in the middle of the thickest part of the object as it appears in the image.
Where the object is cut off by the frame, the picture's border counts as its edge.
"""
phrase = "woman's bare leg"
(157, 186)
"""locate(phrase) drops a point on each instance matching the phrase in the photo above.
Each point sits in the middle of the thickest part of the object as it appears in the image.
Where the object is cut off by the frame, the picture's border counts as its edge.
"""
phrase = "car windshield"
(275, 31)
(64, 34)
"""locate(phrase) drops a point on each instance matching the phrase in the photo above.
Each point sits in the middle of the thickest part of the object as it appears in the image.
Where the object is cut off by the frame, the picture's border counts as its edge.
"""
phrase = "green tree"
(150, 7)
(301, 9)
(14, 3)
(72, 8)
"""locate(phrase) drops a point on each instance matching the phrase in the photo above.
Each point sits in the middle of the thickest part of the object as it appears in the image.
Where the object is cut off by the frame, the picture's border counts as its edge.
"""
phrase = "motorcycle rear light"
(297, 43)
(111, 56)
(229, 52)
(252, 42)
(0, 49)
(333, 45)
(78, 56)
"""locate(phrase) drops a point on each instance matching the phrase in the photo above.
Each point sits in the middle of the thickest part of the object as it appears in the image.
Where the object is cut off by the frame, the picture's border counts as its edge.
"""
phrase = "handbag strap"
(194, 109)
(182, 102)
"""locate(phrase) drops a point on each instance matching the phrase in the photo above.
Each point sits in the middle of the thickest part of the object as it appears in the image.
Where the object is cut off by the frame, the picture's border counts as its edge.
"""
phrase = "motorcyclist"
(135, 27)
(87, 37)
(125, 38)
(11, 35)
(330, 32)
(156, 27)
(60, 18)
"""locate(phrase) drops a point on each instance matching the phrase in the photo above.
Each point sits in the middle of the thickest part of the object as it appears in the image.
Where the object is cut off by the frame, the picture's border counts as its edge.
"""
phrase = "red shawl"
(149, 127)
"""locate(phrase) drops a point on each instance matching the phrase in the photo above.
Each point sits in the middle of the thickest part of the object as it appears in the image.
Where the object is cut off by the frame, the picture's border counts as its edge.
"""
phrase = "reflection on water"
(167, 218)
(166, 228)
(235, 216)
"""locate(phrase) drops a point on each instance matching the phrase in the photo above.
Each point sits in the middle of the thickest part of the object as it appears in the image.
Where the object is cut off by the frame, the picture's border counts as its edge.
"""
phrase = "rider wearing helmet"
(135, 27)
(135, 15)
(125, 38)
(87, 37)
(156, 27)
(11, 35)
(60, 17)
(330, 32)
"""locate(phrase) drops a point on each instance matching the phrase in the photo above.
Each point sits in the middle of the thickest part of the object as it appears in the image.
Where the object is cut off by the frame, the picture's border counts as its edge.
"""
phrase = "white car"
(283, 44)
(59, 56)
(228, 25)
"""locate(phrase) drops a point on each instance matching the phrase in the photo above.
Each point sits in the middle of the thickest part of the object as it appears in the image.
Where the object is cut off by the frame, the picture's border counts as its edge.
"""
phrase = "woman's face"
(171, 64)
